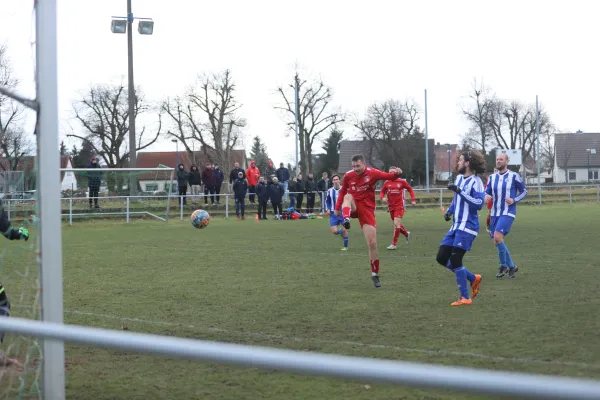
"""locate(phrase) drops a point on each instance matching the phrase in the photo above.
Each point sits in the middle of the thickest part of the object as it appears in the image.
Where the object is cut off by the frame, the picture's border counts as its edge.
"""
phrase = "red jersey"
(395, 192)
(362, 187)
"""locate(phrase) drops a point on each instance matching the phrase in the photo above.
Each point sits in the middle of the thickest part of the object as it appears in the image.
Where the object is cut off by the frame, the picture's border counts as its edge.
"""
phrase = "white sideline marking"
(260, 335)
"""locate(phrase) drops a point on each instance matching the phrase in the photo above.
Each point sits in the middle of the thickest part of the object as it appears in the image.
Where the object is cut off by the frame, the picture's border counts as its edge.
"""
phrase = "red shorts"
(365, 214)
(396, 213)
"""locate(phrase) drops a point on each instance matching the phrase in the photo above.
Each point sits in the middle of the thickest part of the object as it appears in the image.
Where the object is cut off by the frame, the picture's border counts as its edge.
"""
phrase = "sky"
(365, 51)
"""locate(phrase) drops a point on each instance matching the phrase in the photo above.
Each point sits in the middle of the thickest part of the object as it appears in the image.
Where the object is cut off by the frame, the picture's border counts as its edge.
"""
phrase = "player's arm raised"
(476, 197)
(385, 176)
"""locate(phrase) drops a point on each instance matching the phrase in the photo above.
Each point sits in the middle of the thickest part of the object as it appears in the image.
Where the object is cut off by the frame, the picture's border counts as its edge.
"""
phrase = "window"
(593, 175)
(150, 187)
(572, 175)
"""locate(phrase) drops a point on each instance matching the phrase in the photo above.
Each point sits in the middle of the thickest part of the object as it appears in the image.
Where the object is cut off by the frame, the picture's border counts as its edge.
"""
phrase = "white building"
(577, 157)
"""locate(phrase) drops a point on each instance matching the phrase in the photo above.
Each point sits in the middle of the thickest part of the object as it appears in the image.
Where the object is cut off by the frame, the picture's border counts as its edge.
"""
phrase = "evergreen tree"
(330, 160)
(63, 149)
(259, 154)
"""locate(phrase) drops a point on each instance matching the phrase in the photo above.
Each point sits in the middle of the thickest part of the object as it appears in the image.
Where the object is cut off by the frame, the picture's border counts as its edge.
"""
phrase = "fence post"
(441, 200)
(127, 209)
(226, 205)
(570, 195)
(181, 207)
(70, 211)
(597, 194)
(9, 216)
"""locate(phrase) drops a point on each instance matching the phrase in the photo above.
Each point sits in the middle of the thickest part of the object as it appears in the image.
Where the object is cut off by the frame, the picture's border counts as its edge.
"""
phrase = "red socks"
(403, 230)
(396, 235)
(375, 267)
(346, 212)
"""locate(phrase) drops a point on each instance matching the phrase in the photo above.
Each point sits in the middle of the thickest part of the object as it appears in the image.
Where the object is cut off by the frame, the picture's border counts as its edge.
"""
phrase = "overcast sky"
(366, 51)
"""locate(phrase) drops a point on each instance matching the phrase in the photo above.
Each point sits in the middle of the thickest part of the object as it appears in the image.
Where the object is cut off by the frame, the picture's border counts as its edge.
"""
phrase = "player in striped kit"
(468, 200)
(504, 189)
(394, 189)
(335, 222)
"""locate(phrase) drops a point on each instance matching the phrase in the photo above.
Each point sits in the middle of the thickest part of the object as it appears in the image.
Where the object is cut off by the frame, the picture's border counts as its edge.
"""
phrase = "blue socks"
(502, 250)
(461, 281)
(341, 232)
(509, 260)
(470, 276)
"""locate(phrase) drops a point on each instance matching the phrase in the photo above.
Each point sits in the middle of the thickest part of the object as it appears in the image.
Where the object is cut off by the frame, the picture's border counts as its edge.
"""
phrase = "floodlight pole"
(131, 98)
(537, 143)
(426, 146)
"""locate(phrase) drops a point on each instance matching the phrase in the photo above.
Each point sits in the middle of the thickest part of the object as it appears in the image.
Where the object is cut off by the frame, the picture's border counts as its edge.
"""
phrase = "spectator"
(233, 174)
(195, 181)
(182, 183)
(219, 178)
(240, 187)
(299, 192)
(252, 174)
(270, 171)
(310, 188)
(323, 186)
(283, 175)
(292, 191)
(276, 192)
(94, 179)
(263, 197)
(209, 179)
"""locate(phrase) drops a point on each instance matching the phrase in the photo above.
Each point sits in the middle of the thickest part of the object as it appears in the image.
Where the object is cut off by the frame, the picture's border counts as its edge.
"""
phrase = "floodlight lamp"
(118, 26)
(146, 27)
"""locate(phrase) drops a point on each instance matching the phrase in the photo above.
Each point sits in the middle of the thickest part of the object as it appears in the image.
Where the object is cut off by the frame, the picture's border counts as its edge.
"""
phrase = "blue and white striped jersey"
(466, 204)
(332, 197)
(503, 186)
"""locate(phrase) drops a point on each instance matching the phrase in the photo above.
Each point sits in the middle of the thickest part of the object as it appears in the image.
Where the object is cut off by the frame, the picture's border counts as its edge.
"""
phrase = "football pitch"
(287, 284)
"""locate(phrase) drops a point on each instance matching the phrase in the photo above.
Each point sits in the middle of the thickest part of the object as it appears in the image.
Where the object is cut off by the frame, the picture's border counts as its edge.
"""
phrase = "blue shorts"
(501, 224)
(335, 221)
(458, 239)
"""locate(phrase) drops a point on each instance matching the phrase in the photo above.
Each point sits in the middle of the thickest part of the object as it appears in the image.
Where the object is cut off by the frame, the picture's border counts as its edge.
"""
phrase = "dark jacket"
(276, 192)
(233, 175)
(195, 178)
(240, 188)
(269, 173)
(310, 186)
(323, 185)
(292, 188)
(283, 174)
(208, 177)
(182, 176)
(94, 178)
(299, 187)
(219, 177)
(261, 191)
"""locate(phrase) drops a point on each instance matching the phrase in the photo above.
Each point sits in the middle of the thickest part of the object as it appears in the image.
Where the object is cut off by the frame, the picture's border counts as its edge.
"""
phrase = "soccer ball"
(200, 219)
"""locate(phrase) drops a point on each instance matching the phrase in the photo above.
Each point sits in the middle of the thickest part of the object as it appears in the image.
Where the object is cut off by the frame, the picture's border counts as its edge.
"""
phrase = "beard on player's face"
(462, 170)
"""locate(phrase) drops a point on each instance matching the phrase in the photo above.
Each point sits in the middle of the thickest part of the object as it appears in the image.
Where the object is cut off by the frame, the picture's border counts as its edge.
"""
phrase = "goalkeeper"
(13, 234)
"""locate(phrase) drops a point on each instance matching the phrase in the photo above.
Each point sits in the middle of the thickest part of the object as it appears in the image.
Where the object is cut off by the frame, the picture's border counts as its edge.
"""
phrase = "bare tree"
(547, 150)
(103, 112)
(208, 115)
(11, 112)
(479, 112)
(563, 161)
(315, 114)
(392, 131)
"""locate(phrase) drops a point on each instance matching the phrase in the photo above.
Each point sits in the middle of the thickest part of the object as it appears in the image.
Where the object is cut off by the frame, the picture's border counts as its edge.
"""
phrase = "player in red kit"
(357, 200)
(395, 201)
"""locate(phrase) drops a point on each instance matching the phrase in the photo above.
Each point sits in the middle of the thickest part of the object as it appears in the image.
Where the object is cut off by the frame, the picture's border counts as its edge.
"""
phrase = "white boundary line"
(260, 335)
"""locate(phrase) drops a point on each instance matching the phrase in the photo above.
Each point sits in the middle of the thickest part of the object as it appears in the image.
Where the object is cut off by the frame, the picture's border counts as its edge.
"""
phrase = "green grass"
(286, 284)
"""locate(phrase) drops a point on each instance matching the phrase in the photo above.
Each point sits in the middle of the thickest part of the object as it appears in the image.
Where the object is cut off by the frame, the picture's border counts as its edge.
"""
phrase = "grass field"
(286, 284)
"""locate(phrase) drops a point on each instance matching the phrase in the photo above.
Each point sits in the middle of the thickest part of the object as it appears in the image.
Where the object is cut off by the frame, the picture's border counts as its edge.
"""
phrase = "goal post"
(105, 192)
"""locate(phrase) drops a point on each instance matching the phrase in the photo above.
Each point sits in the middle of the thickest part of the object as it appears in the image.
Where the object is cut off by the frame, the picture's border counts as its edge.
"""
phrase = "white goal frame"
(127, 212)
(54, 332)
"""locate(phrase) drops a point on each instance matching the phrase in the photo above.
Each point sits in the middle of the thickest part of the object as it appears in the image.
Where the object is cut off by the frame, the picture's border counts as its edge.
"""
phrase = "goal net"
(106, 192)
